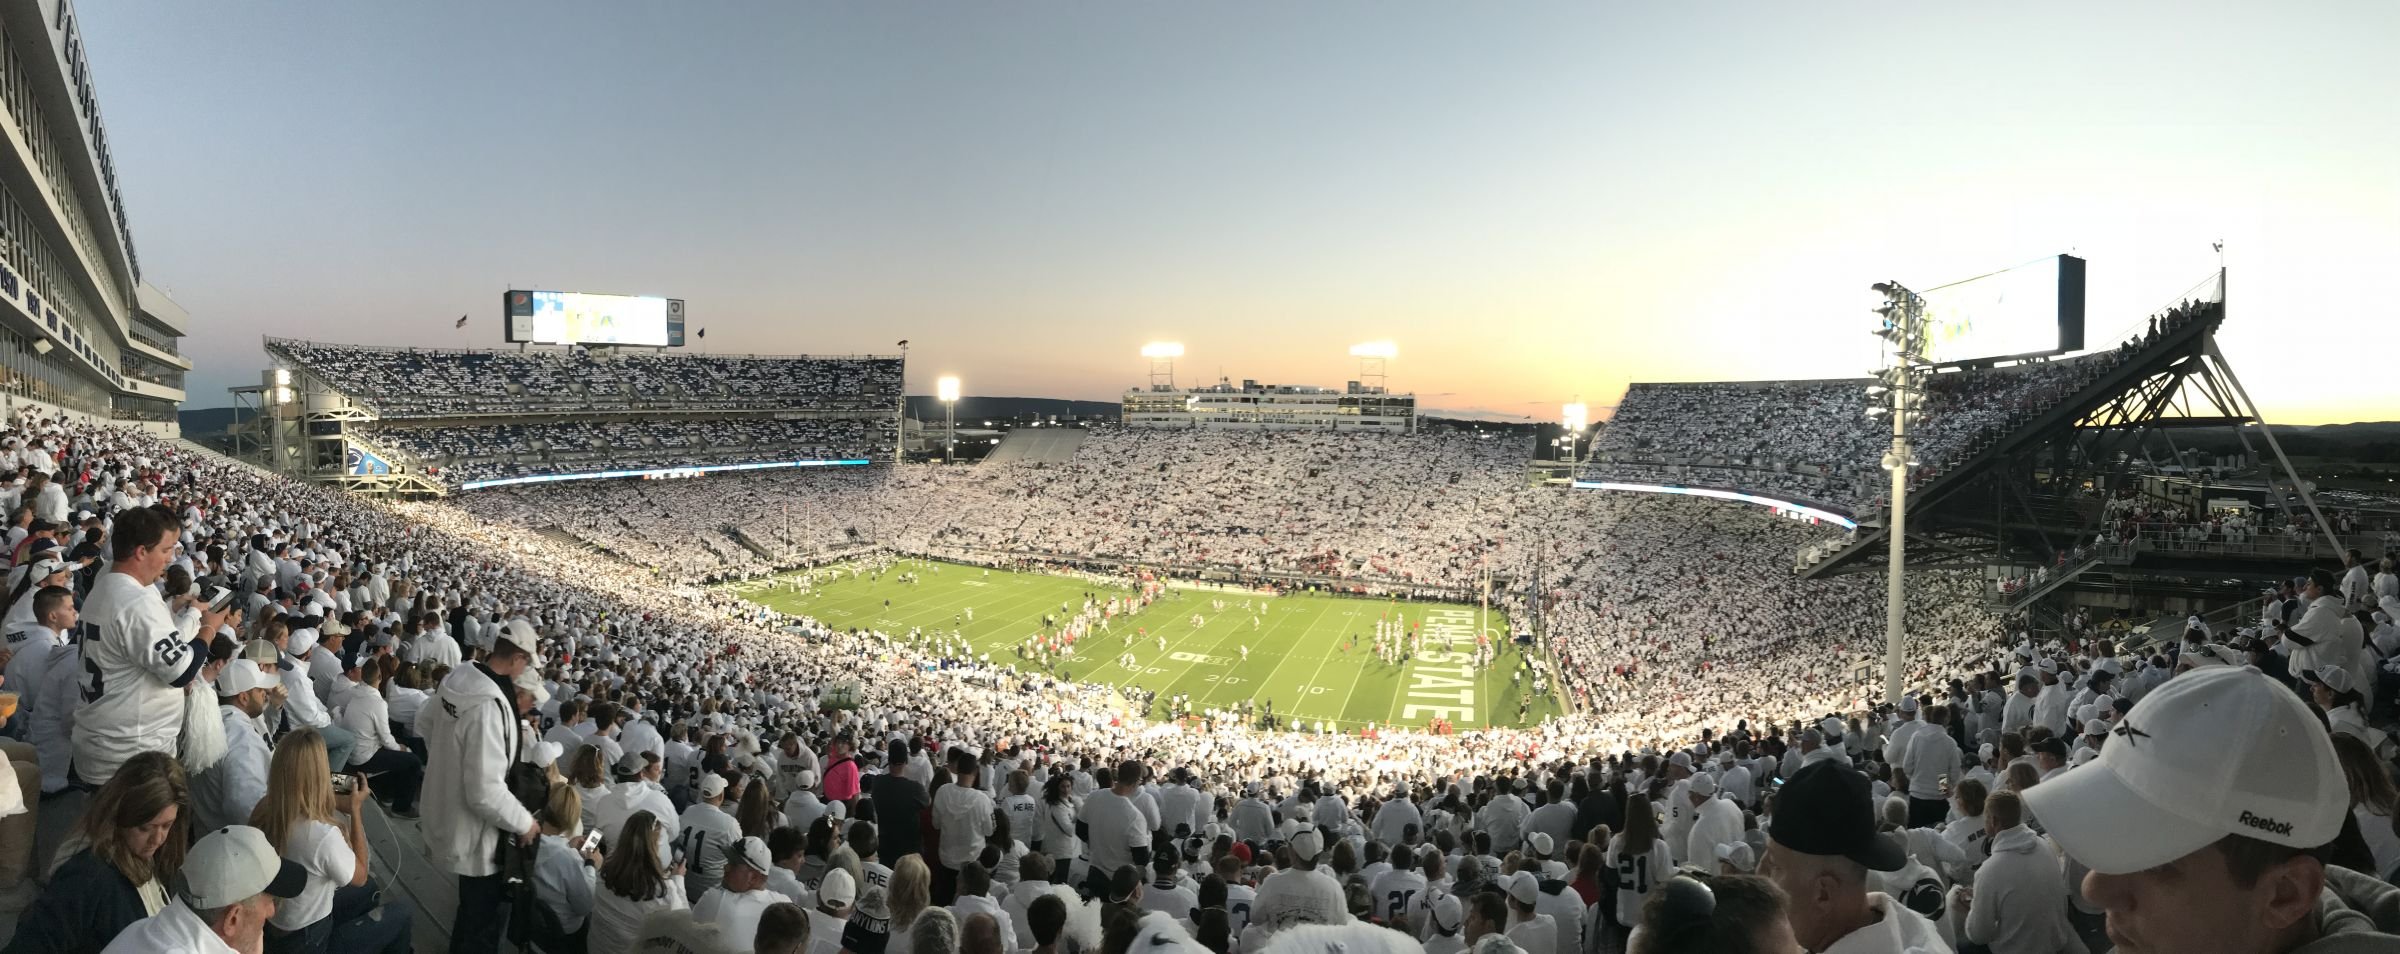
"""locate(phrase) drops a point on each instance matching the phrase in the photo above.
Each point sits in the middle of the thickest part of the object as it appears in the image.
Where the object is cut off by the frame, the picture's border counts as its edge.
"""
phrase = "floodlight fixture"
(283, 376)
(947, 387)
(1375, 349)
(1573, 415)
(1163, 349)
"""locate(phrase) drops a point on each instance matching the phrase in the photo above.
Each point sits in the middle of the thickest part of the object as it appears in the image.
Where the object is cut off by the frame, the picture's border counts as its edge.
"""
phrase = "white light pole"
(1902, 381)
(947, 390)
(1571, 418)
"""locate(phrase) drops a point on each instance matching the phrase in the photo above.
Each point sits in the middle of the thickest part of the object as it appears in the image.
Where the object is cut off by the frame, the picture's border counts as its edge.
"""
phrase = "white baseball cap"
(234, 864)
(711, 785)
(837, 888)
(750, 851)
(1540, 843)
(519, 633)
(1524, 887)
(240, 676)
(531, 681)
(2214, 752)
(1908, 703)
(1703, 784)
(1306, 843)
(1737, 854)
(1448, 915)
(2335, 678)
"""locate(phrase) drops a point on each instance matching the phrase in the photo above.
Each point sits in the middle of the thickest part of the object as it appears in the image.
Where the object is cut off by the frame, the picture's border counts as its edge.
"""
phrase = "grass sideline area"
(1299, 658)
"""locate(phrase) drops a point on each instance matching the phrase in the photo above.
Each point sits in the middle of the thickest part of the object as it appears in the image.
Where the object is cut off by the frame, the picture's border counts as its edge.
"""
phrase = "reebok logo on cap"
(2266, 824)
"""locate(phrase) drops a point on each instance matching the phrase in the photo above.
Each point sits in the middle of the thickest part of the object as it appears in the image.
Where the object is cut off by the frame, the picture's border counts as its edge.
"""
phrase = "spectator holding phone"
(566, 864)
(334, 910)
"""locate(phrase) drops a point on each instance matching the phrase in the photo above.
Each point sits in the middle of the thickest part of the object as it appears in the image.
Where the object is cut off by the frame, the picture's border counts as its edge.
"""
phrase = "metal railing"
(2174, 542)
(2043, 581)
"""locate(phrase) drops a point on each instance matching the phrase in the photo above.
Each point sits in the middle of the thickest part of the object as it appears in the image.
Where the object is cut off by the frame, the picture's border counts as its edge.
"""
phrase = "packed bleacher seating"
(694, 736)
(460, 453)
(1812, 437)
(434, 383)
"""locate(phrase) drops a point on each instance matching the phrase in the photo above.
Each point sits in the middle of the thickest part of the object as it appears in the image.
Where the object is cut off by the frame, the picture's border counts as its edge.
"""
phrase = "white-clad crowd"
(1809, 439)
(610, 757)
(420, 383)
(459, 453)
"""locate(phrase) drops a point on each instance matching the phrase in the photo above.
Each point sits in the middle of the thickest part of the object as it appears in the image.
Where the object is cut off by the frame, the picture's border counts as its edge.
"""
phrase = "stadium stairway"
(736, 534)
(211, 452)
(1041, 445)
(2018, 601)
(568, 537)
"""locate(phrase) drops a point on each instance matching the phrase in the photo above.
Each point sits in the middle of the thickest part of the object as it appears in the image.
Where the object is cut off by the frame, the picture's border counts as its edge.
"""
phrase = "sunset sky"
(1538, 202)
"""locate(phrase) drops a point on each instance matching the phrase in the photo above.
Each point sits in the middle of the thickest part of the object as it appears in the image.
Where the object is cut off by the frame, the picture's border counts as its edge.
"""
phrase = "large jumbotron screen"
(549, 317)
(2032, 309)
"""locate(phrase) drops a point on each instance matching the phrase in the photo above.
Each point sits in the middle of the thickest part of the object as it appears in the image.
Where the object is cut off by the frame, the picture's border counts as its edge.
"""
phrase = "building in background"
(79, 328)
(1255, 406)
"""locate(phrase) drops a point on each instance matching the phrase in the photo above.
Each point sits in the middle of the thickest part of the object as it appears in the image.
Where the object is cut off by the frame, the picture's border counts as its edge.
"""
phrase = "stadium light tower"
(1572, 417)
(1162, 355)
(947, 390)
(1371, 356)
(1902, 383)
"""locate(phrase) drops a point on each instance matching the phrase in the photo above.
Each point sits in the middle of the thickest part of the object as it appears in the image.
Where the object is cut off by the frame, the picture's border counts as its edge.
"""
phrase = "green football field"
(1298, 656)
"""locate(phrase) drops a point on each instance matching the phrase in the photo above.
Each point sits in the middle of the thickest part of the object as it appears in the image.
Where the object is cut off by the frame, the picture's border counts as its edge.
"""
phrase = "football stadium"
(1354, 663)
(1856, 516)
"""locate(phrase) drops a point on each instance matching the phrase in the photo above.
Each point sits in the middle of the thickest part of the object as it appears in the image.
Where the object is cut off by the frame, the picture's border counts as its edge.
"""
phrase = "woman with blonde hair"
(564, 874)
(910, 894)
(128, 844)
(635, 882)
(335, 908)
(2374, 801)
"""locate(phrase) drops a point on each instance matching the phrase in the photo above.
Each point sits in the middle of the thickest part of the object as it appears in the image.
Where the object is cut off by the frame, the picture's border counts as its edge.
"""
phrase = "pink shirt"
(841, 779)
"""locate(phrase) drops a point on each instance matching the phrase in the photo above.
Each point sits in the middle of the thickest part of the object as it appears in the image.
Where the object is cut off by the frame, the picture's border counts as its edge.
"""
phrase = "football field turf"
(1297, 658)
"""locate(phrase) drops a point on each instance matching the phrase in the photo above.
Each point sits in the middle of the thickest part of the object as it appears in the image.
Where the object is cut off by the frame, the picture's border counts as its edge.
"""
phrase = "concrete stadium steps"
(568, 537)
(738, 535)
(1041, 445)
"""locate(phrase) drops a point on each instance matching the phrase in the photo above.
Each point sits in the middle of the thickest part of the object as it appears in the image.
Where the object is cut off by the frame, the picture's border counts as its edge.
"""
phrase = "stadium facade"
(1255, 406)
(80, 330)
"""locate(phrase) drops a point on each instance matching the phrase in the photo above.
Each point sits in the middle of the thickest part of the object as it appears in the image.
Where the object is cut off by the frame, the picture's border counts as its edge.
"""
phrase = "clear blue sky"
(1537, 201)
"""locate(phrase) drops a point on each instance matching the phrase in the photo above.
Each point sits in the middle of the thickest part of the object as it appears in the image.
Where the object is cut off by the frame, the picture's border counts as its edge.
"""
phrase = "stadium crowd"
(603, 757)
(426, 383)
(1810, 439)
(461, 453)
